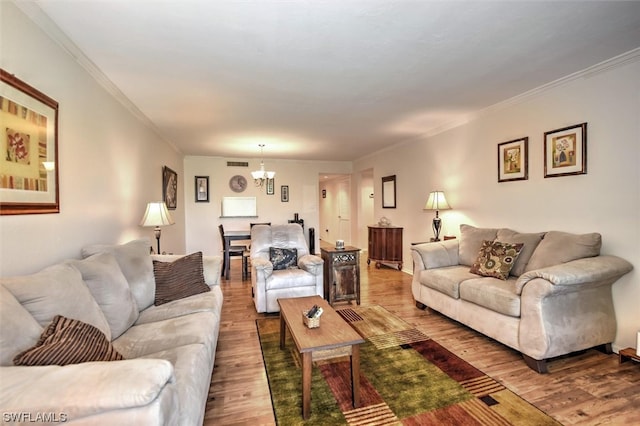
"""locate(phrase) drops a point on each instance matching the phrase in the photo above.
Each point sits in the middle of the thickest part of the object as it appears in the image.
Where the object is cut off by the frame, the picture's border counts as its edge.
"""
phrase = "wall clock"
(238, 183)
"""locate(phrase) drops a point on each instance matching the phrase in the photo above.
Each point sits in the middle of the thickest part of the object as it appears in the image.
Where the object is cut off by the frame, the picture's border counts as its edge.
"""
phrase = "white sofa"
(556, 300)
(168, 349)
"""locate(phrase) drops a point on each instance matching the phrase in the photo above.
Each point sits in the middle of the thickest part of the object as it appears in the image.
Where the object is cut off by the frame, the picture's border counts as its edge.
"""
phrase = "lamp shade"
(156, 214)
(437, 201)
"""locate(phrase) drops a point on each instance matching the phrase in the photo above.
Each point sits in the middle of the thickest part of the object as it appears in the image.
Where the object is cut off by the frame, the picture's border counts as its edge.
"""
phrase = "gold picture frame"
(29, 166)
(565, 151)
(513, 160)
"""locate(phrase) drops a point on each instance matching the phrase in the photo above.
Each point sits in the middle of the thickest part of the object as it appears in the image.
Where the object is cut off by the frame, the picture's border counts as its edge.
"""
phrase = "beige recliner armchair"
(281, 266)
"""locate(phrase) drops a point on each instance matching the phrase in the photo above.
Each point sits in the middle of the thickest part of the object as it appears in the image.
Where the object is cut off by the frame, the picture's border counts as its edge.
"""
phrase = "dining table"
(228, 237)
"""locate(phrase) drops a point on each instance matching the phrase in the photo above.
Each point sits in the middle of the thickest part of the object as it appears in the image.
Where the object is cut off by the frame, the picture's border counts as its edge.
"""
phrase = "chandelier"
(261, 176)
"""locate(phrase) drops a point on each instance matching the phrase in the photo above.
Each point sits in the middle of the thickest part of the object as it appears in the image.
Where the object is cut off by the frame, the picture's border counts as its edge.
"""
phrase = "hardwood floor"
(590, 388)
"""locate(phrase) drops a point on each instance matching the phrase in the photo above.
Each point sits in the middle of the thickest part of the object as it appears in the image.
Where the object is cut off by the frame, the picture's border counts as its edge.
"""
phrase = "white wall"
(110, 164)
(302, 177)
(463, 163)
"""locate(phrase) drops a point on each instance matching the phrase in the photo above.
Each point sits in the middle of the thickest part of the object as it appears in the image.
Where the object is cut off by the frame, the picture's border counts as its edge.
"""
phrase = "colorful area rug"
(406, 379)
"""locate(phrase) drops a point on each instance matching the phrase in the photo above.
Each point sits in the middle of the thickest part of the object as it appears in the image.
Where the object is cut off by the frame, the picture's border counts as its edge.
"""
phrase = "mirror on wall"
(389, 192)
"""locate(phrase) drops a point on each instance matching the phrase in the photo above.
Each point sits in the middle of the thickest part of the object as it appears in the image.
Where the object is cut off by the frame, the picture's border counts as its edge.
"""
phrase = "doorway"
(346, 207)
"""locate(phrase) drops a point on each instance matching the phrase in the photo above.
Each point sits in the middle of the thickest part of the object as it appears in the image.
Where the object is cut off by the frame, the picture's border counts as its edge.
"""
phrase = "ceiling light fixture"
(261, 176)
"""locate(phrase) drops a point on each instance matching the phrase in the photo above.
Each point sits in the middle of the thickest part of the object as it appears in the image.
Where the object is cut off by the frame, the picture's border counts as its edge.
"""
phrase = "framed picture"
(170, 188)
(284, 193)
(389, 192)
(270, 186)
(324, 193)
(29, 165)
(565, 151)
(513, 160)
(202, 189)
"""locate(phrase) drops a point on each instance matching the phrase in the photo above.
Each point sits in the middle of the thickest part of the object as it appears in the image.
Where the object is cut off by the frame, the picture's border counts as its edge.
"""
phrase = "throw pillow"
(471, 239)
(283, 258)
(181, 278)
(18, 329)
(110, 288)
(560, 247)
(496, 259)
(57, 290)
(68, 341)
(135, 263)
(530, 242)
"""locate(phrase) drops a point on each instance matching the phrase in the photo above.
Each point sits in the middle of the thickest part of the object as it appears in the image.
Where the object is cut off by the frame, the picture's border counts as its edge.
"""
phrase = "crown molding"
(607, 65)
(46, 24)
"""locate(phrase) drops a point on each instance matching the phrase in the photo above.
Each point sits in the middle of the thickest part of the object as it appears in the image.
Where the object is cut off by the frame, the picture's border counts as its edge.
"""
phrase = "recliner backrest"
(289, 235)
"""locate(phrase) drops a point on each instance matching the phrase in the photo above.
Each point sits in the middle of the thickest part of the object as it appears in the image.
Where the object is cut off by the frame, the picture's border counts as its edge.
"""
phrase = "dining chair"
(235, 250)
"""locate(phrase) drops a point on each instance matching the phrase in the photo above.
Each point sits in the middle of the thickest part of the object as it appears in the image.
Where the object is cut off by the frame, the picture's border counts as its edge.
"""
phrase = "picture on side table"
(202, 189)
(565, 151)
(169, 188)
(513, 160)
(29, 164)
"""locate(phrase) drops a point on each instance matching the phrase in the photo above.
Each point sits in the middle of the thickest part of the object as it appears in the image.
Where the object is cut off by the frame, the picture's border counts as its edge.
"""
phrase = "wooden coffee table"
(333, 338)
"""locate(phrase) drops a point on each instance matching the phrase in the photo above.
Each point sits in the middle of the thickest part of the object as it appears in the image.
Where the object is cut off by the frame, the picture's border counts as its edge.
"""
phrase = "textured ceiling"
(332, 80)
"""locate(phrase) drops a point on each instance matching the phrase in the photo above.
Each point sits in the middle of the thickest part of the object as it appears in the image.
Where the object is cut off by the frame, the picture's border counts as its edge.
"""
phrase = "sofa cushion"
(144, 339)
(471, 239)
(560, 247)
(492, 293)
(446, 280)
(181, 278)
(57, 290)
(203, 302)
(18, 329)
(283, 258)
(495, 259)
(290, 278)
(530, 241)
(110, 288)
(135, 262)
(68, 341)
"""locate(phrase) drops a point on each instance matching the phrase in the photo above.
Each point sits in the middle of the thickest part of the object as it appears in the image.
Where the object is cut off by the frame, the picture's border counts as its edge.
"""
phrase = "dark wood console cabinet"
(385, 245)
(341, 274)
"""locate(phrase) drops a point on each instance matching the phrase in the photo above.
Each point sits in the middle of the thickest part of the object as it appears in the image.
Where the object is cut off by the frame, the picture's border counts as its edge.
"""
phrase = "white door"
(344, 210)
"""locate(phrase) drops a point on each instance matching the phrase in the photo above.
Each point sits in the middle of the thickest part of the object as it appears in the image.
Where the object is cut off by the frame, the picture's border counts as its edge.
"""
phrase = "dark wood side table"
(341, 274)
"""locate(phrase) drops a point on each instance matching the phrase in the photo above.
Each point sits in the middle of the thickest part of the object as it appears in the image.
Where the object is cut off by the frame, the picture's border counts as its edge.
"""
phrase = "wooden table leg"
(355, 375)
(306, 385)
(227, 259)
(283, 331)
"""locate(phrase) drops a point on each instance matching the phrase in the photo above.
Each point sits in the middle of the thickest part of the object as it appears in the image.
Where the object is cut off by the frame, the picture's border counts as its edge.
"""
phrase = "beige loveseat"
(168, 348)
(556, 299)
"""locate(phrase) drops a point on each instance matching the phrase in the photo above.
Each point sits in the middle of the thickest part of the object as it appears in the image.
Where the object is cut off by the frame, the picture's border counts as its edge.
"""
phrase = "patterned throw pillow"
(68, 341)
(283, 258)
(496, 259)
(181, 278)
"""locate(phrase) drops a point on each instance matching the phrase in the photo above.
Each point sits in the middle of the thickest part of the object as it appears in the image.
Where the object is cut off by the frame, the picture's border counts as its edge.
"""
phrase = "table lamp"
(436, 202)
(157, 215)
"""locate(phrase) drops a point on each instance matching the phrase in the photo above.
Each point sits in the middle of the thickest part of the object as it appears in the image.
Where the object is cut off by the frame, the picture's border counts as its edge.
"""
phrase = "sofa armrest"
(435, 255)
(262, 267)
(81, 390)
(580, 271)
(311, 263)
(212, 266)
